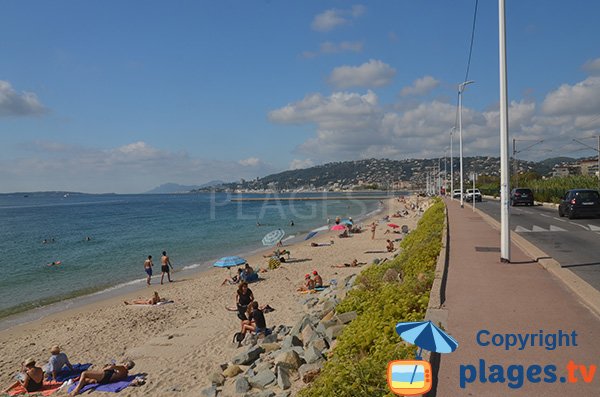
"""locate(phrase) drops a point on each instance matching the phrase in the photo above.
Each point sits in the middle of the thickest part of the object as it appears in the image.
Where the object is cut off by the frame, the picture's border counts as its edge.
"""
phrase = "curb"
(587, 295)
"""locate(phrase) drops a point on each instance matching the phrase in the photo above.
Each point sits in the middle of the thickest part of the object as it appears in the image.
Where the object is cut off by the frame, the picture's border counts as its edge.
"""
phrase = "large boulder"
(283, 378)
(271, 338)
(308, 334)
(333, 332)
(269, 347)
(249, 356)
(345, 318)
(289, 359)
(308, 372)
(241, 385)
(232, 371)
(210, 391)
(312, 355)
(290, 341)
(262, 379)
(216, 378)
(320, 344)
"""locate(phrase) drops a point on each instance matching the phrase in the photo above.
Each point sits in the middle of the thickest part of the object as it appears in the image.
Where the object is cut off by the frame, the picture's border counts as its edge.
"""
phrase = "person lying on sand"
(31, 377)
(152, 301)
(309, 284)
(354, 263)
(109, 374)
(313, 244)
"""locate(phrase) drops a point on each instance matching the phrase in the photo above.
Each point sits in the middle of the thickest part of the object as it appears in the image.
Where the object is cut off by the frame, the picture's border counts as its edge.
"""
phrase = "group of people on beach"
(251, 315)
(165, 268)
(31, 377)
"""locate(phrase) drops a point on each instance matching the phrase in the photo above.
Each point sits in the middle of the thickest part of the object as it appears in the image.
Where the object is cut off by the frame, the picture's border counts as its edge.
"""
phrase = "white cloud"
(297, 164)
(13, 103)
(421, 86)
(374, 73)
(580, 98)
(330, 19)
(250, 162)
(130, 168)
(592, 66)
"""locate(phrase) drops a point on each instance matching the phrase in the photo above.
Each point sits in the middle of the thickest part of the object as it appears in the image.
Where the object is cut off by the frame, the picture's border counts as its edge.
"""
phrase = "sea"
(102, 240)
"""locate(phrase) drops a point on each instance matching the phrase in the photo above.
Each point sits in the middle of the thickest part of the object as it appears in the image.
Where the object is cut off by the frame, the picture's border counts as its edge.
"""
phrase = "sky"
(122, 96)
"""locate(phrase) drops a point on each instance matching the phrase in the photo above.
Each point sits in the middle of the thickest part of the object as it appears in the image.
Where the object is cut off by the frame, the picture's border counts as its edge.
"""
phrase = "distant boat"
(66, 195)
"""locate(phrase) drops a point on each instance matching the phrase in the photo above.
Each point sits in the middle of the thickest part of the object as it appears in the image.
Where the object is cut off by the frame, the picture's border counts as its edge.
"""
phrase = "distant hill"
(177, 188)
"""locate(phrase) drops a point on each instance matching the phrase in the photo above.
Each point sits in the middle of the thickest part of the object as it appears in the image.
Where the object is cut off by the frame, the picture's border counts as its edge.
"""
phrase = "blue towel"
(114, 387)
(67, 374)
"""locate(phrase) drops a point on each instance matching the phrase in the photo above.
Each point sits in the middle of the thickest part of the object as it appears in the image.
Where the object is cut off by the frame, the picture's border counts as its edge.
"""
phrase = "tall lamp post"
(461, 88)
(451, 165)
(504, 167)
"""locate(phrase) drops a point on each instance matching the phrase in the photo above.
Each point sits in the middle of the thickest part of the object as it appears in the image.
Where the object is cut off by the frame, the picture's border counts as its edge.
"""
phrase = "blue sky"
(121, 96)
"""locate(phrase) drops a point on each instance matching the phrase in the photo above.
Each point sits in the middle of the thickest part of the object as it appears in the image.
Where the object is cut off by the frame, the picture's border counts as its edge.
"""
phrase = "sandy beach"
(179, 344)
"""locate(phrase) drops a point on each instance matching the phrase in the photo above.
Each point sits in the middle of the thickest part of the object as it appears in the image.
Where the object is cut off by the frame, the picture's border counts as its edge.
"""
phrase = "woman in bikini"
(152, 301)
(33, 377)
(109, 374)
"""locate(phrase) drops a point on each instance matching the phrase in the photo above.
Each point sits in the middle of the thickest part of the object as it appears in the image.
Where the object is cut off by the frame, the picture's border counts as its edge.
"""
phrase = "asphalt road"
(575, 244)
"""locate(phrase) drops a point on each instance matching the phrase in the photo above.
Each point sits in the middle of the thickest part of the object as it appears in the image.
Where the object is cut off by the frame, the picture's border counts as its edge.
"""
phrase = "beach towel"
(47, 389)
(67, 374)
(114, 387)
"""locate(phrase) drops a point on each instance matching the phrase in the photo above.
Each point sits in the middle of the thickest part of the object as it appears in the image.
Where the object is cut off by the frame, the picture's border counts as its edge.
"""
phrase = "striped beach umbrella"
(230, 261)
(273, 237)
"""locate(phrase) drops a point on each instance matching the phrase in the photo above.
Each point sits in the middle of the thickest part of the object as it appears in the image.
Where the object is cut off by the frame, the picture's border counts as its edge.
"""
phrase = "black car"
(580, 202)
(521, 196)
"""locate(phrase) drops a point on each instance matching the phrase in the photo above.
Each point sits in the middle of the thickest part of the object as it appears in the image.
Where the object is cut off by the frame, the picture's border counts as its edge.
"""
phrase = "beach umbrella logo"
(273, 237)
(414, 377)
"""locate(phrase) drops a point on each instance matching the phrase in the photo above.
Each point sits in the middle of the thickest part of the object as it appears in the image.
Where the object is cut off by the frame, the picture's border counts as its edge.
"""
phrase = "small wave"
(118, 286)
(192, 266)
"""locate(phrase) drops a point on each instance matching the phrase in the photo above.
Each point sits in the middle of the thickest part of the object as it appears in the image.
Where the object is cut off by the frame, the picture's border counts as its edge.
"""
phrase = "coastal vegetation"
(384, 294)
(547, 190)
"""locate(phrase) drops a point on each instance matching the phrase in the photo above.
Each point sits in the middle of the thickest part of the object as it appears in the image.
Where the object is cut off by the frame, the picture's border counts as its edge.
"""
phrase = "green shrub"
(358, 365)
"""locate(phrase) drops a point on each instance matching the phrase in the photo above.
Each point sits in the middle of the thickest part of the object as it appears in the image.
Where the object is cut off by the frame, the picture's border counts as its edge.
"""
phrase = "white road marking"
(521, 229)
(558, 219)
(547, 216)
(538, 229)
(581, 226)
(594, 228)
(556, 229)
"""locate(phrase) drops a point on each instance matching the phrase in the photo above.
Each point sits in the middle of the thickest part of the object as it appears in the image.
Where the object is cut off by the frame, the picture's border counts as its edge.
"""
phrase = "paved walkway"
(516, 298)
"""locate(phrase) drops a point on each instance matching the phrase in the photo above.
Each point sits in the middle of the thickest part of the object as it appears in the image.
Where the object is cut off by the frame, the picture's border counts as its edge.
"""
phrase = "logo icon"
(409, 377)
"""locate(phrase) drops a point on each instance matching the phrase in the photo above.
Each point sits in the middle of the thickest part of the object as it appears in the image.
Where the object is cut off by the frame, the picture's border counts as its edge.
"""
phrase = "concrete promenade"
(487, 297)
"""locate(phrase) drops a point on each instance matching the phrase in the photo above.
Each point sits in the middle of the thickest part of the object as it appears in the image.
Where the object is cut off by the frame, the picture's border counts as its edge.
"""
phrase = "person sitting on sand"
(344, 234)
(257, 322)
(354, 263)
(390, 246)
(57, 362)
(309, 284)
(244, 297)
(31, 377)
(152, 301)
(235, 279)
(109, 374)
(318, 280)
(249, 275)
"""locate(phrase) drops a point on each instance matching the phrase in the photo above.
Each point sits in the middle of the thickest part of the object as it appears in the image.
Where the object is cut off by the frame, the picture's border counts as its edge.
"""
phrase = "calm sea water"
(194, 229)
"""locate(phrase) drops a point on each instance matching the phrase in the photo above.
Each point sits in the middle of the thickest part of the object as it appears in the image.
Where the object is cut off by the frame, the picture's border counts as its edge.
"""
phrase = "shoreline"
(28, 315)
(196, 327)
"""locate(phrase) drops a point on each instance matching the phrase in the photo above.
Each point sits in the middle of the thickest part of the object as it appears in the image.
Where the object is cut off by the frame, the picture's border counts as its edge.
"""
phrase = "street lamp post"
(451, 166)
(461, 88)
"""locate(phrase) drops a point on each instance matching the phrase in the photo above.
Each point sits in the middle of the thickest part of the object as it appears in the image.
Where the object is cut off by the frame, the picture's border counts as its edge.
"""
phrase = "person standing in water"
(148, 268)
(164, 268)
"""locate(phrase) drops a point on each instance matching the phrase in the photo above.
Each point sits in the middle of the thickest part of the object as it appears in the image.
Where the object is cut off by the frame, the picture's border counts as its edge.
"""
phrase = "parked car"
(456, 193)
(579, 202)
(472, 193)
(521, 195)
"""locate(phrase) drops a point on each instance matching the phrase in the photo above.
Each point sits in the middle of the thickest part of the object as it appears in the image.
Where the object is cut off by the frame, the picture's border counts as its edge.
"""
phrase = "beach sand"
(179, 344)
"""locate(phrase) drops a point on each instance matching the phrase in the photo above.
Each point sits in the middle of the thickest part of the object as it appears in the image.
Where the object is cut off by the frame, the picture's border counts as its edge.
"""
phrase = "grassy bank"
(358, 365)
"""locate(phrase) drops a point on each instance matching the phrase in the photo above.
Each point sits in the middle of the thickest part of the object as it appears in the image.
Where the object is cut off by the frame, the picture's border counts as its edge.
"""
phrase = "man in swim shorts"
(164, 268)
(148, 268)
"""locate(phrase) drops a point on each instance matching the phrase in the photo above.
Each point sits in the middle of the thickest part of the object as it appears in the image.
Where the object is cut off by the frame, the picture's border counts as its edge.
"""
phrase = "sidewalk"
(516, 298)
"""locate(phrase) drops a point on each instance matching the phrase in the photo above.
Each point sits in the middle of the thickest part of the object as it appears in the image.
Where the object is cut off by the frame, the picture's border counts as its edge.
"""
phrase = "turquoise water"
(194, 229)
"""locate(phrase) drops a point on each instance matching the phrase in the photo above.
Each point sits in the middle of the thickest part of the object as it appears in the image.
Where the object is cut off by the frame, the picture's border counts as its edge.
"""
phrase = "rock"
(289, 359)
(291, 340)
(284, 394)
(232, 371)
(249, 356)
(271, 338)
(241, 385)
(345, 318)
(283, 378)
(320, 329)
(209, 391)
(320, 344)
(262, 366)
(308, 372)
(333, 332)
(265, 393)
(262, 379)
(216, 378)
(312, 355)
(295, 331)
(269, 347)
(329, 323)
(390, 276)
(329, 304)
(308, 334)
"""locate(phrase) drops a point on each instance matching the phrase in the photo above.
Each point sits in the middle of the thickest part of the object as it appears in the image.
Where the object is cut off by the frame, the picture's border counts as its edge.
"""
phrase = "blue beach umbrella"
(426, 335)
(273, 237)
(310, 235)
(230, 261)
